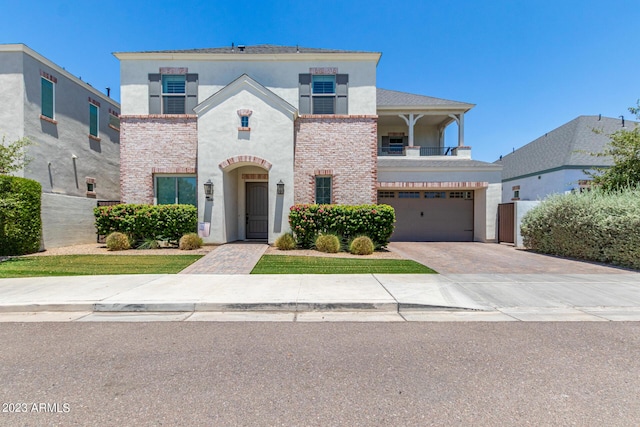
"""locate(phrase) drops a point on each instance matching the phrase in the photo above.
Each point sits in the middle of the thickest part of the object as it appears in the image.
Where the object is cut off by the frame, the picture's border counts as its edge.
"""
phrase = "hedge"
(20, 223)
(594, 226)
(348, 221)
(140, 222)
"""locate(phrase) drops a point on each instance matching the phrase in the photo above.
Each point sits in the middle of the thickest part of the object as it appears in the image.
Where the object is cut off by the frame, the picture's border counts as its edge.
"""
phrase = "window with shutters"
(173, 93)
(93, 120)
(48, 98)
(323, 93)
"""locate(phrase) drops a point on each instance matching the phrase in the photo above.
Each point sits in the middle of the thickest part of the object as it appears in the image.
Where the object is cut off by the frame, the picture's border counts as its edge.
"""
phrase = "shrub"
(375, 221)
(328, 243)
(20, 224)
(162, 222)
(190, 241)
(596, 226)
(148, 244)
(117, 241)
(286, 242)
(361, 246)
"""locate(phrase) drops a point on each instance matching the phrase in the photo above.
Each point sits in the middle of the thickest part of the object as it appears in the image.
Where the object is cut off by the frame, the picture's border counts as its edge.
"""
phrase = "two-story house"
(245, 132)
(74, 129)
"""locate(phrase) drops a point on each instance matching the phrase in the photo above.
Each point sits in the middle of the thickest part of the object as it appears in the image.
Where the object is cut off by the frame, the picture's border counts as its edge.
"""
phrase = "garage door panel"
(427, 220)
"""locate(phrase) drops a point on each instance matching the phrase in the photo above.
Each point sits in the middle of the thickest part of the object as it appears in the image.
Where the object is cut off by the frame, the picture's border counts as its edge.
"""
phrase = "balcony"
(413, 151)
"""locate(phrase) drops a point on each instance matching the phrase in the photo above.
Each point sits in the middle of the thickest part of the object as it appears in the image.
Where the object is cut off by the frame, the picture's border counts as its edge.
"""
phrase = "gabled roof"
(392, 98)
(256, 50)
(565, 147)
(247, 83)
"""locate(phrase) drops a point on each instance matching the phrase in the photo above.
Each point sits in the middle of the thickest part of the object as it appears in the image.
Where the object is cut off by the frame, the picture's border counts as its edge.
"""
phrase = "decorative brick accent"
(342, 146)
(432, 185)
(154, 144)
(261, 176)
(245, 159)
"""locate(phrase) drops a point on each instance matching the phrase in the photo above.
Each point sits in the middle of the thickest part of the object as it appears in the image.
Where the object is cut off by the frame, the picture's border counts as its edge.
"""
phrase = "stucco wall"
(534, 188)
(67, 220)
(55, 144)
(281, 77)
(226, 153)
(154, 144)
(11, 90)
(343, 147)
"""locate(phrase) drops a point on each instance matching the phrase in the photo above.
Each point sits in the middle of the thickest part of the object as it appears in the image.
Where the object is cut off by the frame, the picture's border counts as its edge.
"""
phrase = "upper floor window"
(173, 93)
(323, 93)
(48, 98)
(93, 120)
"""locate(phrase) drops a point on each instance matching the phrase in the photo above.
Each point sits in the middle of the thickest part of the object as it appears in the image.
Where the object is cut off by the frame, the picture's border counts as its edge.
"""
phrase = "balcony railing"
(424, 151)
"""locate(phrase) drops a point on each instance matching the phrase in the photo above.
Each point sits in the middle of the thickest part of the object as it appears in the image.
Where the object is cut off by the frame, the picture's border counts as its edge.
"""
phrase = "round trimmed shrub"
(117, 241)
(328, 243)
(190, 241)
(286, 242)
(361, 246)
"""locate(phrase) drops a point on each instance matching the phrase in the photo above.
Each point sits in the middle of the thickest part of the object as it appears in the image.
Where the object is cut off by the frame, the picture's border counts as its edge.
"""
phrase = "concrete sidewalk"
(380, 297)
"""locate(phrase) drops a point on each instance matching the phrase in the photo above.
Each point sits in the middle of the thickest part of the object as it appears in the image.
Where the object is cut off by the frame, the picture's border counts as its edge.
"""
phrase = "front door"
(257, 216)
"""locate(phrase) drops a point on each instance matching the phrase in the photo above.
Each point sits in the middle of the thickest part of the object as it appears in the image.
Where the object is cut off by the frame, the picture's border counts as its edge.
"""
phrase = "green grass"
(77, 265)
(285, 264)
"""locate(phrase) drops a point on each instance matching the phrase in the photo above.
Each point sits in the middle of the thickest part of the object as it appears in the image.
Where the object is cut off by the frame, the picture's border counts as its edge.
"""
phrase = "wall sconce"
(280, 186)
(208, 190)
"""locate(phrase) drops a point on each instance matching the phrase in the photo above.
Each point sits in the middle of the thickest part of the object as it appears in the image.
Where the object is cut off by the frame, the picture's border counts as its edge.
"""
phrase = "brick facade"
(343, 147)
(154, 144)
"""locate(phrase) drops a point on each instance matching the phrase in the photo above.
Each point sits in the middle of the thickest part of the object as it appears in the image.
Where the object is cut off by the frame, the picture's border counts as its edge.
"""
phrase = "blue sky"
(529, 66)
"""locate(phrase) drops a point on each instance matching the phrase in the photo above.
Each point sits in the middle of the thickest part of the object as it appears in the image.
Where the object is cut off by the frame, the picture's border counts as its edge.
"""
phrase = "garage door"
(431, 216)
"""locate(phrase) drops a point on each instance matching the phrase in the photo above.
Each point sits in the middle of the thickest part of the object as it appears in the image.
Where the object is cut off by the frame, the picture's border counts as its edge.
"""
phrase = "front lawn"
(78, 265)
(285, 264)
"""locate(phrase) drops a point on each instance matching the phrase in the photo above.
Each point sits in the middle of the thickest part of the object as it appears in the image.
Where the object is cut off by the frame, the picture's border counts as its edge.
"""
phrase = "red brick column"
(154, 144)
(344, 147)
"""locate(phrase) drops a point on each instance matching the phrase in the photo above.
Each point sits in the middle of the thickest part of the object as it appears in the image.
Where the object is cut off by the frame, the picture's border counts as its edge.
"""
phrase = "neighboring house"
(557, 161)
(75, 133)
(245, 132)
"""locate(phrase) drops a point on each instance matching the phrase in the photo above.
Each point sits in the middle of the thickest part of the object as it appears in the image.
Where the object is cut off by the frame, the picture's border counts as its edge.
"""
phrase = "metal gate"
(506, 222)
(100, 238)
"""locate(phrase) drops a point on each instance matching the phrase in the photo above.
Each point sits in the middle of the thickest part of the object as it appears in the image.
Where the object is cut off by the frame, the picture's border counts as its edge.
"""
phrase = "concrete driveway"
(492, 258)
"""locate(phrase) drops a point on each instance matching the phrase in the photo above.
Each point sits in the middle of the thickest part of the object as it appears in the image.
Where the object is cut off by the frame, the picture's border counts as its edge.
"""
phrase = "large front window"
(323, 94)
(176, 189)
(173, 94)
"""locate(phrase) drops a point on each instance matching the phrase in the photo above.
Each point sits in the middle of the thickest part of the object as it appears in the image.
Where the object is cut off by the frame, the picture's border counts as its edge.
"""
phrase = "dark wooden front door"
(257, 217)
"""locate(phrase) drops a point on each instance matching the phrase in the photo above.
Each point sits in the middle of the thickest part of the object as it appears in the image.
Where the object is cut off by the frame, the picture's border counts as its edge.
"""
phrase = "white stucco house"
(556, 162)
(245, 132)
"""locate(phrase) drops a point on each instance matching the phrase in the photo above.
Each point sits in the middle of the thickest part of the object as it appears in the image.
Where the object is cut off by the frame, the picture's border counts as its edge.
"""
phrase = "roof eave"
(267, 57)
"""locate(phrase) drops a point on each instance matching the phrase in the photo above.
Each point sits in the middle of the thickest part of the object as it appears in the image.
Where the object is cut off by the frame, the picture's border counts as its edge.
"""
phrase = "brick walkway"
(232, 258)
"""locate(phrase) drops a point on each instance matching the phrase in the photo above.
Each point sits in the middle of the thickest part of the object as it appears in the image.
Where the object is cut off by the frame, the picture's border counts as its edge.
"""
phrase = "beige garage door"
(431, 216)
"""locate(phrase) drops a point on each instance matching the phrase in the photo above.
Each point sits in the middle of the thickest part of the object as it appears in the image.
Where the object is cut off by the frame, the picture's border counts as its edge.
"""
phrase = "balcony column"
(459, 118)
(411, 121)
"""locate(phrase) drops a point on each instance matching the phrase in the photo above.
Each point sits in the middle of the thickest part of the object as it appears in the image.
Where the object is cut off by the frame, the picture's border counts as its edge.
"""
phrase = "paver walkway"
(231, 258)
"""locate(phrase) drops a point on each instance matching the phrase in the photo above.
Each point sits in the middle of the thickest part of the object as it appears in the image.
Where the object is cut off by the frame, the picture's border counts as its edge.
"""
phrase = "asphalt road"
(481, 374)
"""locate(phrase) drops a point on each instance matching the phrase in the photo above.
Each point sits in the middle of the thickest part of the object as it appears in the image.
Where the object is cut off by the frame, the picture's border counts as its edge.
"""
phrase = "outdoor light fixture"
(208, 189)
(280, 185)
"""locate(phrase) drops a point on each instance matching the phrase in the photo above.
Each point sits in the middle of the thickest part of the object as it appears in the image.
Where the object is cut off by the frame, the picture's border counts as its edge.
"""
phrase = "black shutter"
(192, 93)
(385, 142)
(304, 89)
(155, 88)
(342, 83)
(405, 141)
